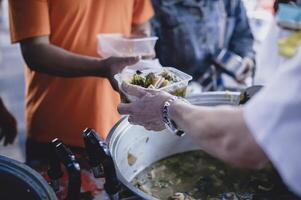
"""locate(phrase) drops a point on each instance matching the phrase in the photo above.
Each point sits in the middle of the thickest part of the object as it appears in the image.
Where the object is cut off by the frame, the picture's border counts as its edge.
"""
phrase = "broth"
(196, 175)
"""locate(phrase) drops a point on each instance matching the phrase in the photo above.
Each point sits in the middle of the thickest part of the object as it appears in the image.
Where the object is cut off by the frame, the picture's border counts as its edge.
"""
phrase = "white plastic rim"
(120, 37)
(116, 44)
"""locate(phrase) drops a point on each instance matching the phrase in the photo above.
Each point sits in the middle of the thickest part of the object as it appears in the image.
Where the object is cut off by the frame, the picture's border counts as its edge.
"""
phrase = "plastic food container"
(118, 45)
(178, 89)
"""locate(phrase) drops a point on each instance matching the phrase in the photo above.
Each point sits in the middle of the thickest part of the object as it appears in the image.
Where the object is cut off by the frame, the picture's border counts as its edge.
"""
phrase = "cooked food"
(181, 92)
(181, 196)
(153, 80)
(167, 76)
(196, 175)
(158, 80)
(138, 80)
(150, 79)
(131, 159)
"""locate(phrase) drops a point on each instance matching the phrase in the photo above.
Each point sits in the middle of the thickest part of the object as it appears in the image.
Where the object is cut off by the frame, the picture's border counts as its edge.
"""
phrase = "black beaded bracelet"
(170, 124)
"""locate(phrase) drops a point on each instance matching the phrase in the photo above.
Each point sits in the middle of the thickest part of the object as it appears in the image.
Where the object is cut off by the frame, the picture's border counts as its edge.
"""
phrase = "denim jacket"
(192, 31)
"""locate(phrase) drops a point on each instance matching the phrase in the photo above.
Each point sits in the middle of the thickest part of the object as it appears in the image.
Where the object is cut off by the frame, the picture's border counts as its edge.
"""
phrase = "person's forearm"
(221, 131)
(50, 59)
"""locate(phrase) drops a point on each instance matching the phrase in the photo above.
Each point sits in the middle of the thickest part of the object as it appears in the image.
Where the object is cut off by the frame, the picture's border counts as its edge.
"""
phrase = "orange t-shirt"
(63, 107)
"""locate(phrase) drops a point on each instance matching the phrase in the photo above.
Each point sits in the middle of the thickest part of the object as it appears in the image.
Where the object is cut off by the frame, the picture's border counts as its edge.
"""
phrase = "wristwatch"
(169, 123)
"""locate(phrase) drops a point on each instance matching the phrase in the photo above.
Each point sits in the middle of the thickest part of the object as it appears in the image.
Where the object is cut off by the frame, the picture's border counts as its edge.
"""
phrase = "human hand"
(8, 126)
(114, 65)
(248, 66)
(141, 30)
(147, 109)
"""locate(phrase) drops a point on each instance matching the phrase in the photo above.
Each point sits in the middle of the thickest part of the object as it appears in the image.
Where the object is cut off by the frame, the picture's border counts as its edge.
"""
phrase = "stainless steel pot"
(18, 181)
(133, 148)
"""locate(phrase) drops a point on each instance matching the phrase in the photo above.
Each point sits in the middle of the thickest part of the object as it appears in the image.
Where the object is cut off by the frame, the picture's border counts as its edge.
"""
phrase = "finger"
(153, 127)
(8, 140)
(247, 69)
(241, 79)
(4, 136)
(114, 85)
(138, 34)
(12, 133)
(123, 98)
(1, 134)
(249, 72)
(148, 128)
(133, 90)
(126, 61)
(124, 109)
(121, 62)
(5, 143)
(132, 120)
(158, 127)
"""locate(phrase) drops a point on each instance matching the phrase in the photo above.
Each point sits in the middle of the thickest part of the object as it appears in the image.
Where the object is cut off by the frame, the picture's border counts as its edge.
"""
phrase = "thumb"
(124, 109)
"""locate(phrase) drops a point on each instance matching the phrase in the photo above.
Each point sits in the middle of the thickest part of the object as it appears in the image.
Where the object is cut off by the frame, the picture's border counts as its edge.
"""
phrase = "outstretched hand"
(147, 109)
(115, 65)
(249, 65)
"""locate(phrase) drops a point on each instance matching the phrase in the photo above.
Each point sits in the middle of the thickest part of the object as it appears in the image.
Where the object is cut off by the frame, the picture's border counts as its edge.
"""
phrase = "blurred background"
(12, 66)
(12, 84)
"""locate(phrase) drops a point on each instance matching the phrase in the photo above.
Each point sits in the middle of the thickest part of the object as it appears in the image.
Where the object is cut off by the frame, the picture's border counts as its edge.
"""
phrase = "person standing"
(68, 86)
(192, 32)
(266, 129)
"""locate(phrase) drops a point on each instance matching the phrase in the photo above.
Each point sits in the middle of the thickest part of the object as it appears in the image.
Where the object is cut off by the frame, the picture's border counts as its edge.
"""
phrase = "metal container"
(133, 148)
(18, 181)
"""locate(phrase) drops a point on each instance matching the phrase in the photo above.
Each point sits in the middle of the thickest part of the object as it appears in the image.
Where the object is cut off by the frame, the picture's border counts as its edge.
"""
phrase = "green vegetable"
(150, 79)
(138, 80)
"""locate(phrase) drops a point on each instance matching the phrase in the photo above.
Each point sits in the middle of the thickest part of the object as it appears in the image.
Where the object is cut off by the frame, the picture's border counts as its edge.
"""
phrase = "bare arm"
(221, 131)
(44, 57)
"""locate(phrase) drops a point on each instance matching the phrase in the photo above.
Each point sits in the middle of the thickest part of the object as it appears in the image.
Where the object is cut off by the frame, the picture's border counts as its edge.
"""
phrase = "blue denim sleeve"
(241, 41)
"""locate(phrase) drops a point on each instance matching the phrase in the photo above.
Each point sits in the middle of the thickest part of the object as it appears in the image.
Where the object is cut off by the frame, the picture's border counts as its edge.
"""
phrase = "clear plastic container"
(178, 89)
(118, 45)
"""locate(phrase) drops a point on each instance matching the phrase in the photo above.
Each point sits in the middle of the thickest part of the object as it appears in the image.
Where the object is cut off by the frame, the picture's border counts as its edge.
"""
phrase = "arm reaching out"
(44, 57)
(220, 131)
